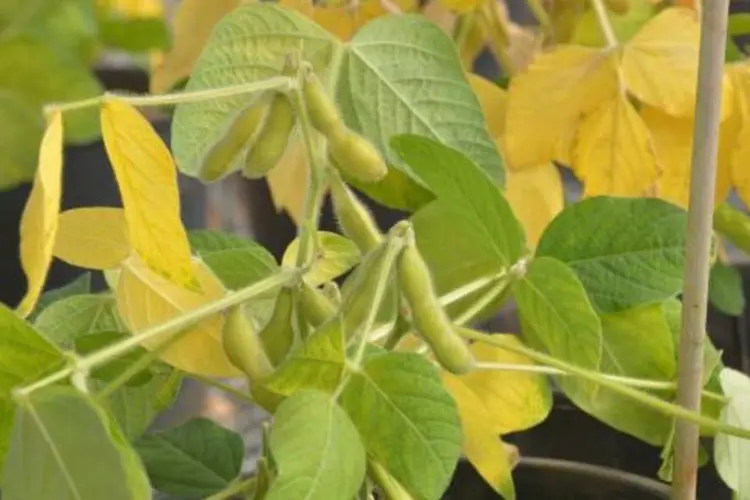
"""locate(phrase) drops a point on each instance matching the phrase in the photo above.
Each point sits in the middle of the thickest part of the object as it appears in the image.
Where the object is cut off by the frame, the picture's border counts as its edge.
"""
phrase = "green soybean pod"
(429, 319)
(217, 161)
(321, 110)
(356, 157)
(278, 334)
(243, 345)
(355, 220)
(272, 140)
(316, 307)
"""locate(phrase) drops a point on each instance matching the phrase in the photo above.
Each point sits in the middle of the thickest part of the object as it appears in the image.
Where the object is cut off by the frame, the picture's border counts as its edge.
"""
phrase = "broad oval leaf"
(146, 299)
(317, 450)
(625, 251)
(80, 285)
(732, 454)
(398, 402)
(194, 460)
(336, 255)
(72, 317)
(64, 446)
(725, 290)
(93, 237)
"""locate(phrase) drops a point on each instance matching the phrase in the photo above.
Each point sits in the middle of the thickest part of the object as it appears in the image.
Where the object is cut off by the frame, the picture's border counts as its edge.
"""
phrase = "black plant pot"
(550, 479)
(88, 180)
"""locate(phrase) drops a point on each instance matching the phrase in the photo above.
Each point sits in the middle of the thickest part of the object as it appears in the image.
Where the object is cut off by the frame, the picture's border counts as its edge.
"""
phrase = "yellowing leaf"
(482, 445)
(462, 6)
(673, 142)
(740, 161)
(288, 181)
(536, 197)
(494, 102)
(336, 256)
(39, 219)
(546, 101)
(193, 23)
(135, 8)
(147, 179)
(660, 63)
(613, 153)
(145, 299)
(93, 237)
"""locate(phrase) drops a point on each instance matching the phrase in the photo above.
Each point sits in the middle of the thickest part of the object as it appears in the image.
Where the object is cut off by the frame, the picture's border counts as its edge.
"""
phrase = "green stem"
(604, 23)
(281, 83)
(87, 363)
(485, 300)
(223, 387)
(597, 378)
(233, 489)
(390, 487)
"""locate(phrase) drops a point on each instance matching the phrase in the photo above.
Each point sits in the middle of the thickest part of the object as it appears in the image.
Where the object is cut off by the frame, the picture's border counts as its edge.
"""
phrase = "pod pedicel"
(430, 320)
(278, 334)
(272, 140)
(243, 345)
(355, 220)
(356, 157)
(316, 307)
(321, 110)
(217, 161)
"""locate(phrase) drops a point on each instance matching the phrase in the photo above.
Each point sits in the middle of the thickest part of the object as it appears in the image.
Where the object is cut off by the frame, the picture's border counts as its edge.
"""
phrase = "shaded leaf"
(67, 319)
(725, 289)
(80, 285)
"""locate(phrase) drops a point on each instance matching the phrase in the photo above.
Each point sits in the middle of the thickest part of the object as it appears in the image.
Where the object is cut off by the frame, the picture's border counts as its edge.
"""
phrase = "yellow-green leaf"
(462, 6)
(673, 142)
(336, 255)
(145, 299)
(614, 153)
(93, 237)
(288, 180)
(481, 444)
(147, 179)
(739, 171)
(40, 216)
(546, 101)
(494, 102)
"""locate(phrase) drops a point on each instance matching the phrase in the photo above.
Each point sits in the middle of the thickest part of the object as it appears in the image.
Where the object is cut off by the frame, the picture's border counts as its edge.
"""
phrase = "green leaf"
(317, 364)
(725, 289)
(134, 35)
(65, 447)
(625, 26)
(67, 319)
(80, 285)
(408, 421)
(94, 342)
(317, 450)
(194, 460)
(18, 144)
(732, 454)
(337, 255)
(625, 251)
(24, 357)
(553, 303)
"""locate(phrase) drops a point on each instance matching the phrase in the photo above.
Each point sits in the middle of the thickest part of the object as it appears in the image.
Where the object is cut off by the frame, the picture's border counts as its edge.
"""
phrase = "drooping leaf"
(553, 303)
(732, 454)
(336, 255)
(147, 179)
(194, 460)
(725, 289)
(625, 251)
(64, 446)
(94, 238)
(24, 356)
(316, 449)
(80, 285)
(39, 220)
(397, 402)
(145, 299)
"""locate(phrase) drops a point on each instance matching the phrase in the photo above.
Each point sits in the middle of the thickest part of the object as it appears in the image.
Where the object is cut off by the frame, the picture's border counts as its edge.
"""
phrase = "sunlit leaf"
(39, 222)
(336, 255)
(94, 238)
(732, 454)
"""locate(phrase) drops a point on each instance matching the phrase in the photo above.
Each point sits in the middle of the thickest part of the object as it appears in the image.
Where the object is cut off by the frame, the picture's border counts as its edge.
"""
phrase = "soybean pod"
(278, 334)
(316, 307)
(356, 157)
(430, 320)
(355, 220)
(321, 110)
(273, 138)
(218, 160)
(243, 345)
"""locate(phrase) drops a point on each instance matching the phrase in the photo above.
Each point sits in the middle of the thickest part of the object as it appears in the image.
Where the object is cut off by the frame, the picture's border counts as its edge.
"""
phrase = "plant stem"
(604, 24)
(597, 378)
(541, 15)
(122, 347)
(281, 83)
(485, 300)
(698, 245)
(233, 489)
(387, 483)
(469, 288)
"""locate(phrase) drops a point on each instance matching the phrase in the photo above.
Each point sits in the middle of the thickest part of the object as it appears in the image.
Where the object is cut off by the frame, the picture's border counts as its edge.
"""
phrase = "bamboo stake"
(698, 247)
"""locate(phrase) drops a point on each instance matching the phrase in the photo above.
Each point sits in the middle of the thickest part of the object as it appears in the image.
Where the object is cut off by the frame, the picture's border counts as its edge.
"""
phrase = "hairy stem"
(604, 24)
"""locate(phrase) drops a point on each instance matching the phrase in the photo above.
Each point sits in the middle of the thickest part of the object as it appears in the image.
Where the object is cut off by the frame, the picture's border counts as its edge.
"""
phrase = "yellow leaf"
(536, 196)
(462, 6)
(546, 101)
(493, 100)
(93, 237)
(39, 221)
(666, 46)
(288, 181)
(614, 153)
(436, 12)
(673, 142)
(740, 161)
(147, 179)
(481, 444)
(145, 299)
(336, 255)
(135, 8)
(193, 23)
